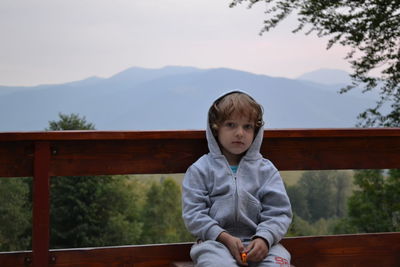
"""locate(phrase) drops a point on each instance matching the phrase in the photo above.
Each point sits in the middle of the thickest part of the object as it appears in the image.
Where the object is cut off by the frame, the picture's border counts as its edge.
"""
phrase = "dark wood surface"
(96, 153)
(345, 250)
(364, 250)
(41, 204)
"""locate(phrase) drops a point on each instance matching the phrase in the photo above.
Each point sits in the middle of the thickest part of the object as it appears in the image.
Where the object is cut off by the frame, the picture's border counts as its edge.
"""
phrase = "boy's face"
(235, 136)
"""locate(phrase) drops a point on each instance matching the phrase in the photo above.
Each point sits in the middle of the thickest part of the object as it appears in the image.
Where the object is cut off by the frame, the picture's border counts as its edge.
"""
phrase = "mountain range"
(179, 97)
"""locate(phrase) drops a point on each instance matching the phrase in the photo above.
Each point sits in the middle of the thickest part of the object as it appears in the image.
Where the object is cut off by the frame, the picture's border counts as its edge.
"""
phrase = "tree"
(319, 203)
(375, 205)
(370, 28)
(91, 210)
(343, 190)
(162, 214)
(15, 213)
(301, 227)
(320, 195)
(70, 122)
(298, 198)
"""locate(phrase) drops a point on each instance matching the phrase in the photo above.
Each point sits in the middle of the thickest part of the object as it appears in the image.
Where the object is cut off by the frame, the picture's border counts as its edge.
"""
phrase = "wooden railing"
(45, 154)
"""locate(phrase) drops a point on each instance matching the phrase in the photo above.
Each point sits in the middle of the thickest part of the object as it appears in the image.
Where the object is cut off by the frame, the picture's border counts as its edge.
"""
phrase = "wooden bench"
(381, 249)
(45, 154)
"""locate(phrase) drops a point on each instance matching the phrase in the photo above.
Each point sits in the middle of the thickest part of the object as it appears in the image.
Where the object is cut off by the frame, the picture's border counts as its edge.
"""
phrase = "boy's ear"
(214, 129)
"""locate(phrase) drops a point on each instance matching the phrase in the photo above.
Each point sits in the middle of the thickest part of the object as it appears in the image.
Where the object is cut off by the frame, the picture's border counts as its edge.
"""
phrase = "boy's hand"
(257, 250)
(234, 245)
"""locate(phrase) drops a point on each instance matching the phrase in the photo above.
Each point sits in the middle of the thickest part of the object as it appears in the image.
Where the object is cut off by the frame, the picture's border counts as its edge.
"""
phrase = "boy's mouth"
(237, 143)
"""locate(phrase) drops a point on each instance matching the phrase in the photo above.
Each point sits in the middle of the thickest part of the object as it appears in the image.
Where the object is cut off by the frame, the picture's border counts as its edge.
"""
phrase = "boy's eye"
(248, 126)
(230, 124)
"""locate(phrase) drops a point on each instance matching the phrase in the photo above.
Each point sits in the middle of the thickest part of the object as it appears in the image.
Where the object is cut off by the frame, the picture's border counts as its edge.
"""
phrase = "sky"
(57, 41)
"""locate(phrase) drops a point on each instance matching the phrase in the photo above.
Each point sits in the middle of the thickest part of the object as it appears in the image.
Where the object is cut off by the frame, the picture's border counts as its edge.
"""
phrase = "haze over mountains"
(179, 97)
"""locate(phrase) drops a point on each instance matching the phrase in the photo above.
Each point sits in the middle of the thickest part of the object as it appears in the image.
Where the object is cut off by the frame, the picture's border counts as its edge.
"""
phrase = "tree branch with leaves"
(370, 28)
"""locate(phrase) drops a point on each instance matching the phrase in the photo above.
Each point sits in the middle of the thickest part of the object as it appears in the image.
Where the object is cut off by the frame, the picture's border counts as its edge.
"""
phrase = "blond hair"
(235, 103)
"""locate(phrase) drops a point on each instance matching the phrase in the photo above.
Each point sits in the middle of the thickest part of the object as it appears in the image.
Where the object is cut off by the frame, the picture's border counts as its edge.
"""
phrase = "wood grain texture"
(358, 250)
(41, 205)
(97, 153)
(381, 249)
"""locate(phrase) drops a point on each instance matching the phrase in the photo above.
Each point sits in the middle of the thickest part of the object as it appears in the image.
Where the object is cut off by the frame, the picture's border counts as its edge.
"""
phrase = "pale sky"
(57, 41)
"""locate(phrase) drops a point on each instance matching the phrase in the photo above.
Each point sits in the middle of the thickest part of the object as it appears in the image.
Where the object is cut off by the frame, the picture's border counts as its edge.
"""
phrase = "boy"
(234, 201)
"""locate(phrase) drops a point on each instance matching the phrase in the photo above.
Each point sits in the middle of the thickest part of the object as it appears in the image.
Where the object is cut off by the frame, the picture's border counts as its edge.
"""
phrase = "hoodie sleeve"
(276, 212)
(196, 206)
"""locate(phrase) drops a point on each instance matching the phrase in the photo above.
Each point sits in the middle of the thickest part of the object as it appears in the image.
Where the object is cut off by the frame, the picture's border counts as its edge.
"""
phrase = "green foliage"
(320, 195)
(297, 195)
(125, 223)
(344, 226)
(93, 211)
(301, 227)
(162, 214)
(15, 213)
(70, 122)
(343, 189)
(370, 28)
(375, 205)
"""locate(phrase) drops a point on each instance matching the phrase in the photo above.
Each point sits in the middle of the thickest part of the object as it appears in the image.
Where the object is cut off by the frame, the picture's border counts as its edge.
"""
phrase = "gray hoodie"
(251, 202)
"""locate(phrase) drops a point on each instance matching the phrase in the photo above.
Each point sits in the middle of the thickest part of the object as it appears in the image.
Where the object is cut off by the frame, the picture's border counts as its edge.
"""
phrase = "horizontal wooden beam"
(141, 256)
(100, 153)
(191, 134)
(327, 153)
(366, 250)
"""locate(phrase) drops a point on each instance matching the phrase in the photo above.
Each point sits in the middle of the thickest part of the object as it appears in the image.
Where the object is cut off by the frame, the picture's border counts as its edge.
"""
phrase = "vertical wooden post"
(41, 205)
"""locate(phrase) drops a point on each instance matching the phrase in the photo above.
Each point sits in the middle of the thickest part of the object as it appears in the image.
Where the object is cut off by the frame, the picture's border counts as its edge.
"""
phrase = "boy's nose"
(239, 132)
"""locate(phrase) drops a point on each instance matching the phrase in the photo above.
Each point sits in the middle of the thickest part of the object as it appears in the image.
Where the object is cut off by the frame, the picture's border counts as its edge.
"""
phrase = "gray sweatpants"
(213, 253)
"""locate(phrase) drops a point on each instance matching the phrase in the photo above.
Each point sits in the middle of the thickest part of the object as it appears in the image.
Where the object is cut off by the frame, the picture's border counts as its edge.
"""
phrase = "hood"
(254, 150)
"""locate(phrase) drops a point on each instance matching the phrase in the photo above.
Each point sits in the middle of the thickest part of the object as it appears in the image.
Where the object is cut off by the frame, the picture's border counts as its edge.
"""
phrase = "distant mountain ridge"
(327, 77)
(176, 98)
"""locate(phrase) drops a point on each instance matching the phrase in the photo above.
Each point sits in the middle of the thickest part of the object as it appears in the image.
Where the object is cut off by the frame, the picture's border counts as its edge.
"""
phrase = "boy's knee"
(277, 256)
(211, 253)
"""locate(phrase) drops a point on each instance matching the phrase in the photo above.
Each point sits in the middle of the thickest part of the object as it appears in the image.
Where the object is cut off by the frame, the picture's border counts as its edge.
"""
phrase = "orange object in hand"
(244, 257)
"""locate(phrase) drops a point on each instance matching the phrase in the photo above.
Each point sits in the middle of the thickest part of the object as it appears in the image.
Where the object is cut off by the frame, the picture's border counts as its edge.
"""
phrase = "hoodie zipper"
(236, 207)
(236, 199)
